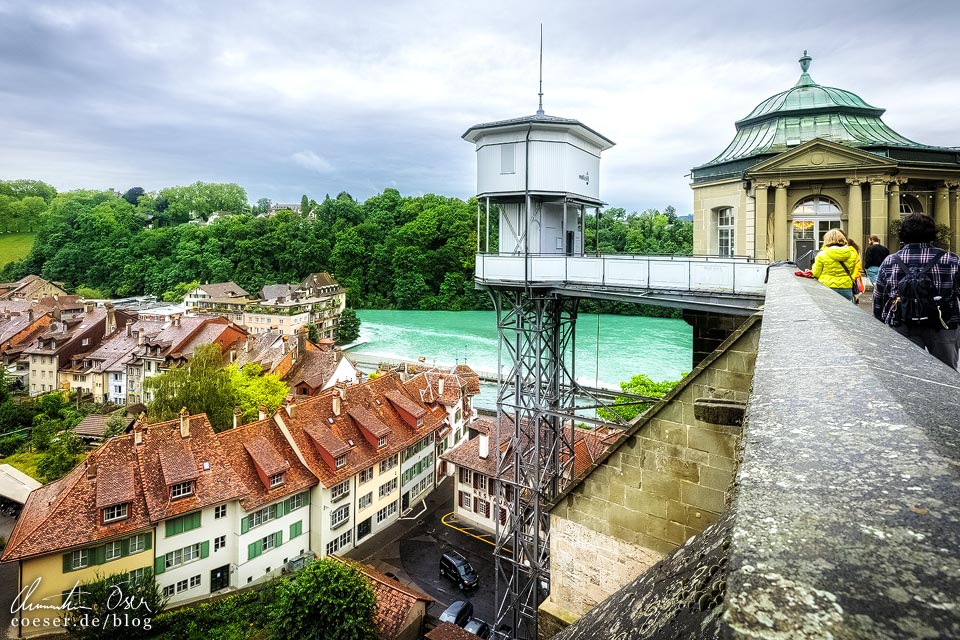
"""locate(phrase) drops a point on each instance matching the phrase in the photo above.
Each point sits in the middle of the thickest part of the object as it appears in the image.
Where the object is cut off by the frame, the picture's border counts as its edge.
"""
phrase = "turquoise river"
(658, 347)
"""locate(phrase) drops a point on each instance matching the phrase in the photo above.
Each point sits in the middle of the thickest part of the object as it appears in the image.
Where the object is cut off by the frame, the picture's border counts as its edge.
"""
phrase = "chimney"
(301, 341)
(88, 306)
(336, 404)
(129, 328)
(137, 436)
(262, 412)
(440, 386)
(91, 470)
(184, 423)
(141, 336)
(484, 446)
(286, 346)
(111, 317)
(176, 320)
(359, 376)
(237, 417)
(249, 343)
(291, 407)
(30, 314)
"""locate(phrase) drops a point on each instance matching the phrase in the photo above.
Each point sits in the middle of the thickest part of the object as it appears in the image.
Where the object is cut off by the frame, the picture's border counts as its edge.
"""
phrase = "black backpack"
(918, 303)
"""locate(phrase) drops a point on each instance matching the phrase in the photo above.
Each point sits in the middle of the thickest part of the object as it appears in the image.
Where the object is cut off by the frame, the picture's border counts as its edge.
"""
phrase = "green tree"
(627, 408)
(328, 600)
(62, 456)
(114, 600)
(179, 291)
(202, 386)
(116, 425)
(263, 205)
(304, 205)
(313, 333)
(348, 329)
(253, 389)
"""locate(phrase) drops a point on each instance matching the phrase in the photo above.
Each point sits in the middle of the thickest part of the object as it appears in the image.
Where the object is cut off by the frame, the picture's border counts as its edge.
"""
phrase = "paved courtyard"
(412, 550)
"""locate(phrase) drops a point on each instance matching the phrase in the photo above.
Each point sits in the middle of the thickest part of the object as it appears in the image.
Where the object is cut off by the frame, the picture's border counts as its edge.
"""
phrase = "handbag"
(854, 285)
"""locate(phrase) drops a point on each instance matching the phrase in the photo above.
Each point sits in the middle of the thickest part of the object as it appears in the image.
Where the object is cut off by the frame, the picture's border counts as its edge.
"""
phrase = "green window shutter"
(67, 562)
(306, 497)
(172, 527)
(99, 555)
(204, 549)
(147, 545)
(125, 547)
(254, 549)
(159, 565)
(296, 529)
(279, 535)
(195, 520)
(245, 525)
(283, 509)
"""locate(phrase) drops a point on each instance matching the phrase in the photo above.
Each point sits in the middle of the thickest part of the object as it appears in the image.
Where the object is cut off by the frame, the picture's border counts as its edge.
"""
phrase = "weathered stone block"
(719, 479)
(645, 502)
(616, 493)
(723, 462)
(659, 486)
(674, 433)
(702, 497)
(664, 530)
(722, 412)
(712, 442)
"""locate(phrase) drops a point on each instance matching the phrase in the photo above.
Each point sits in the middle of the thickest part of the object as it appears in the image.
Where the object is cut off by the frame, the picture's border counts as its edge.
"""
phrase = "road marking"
(469, 531)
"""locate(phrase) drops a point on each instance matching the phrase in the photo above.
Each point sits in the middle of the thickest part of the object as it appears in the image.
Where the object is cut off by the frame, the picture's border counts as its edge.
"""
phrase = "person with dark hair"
(917, 290)
(873, 257)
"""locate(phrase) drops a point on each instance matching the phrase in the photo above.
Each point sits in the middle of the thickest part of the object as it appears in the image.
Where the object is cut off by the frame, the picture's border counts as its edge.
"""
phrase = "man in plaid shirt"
(917, 232)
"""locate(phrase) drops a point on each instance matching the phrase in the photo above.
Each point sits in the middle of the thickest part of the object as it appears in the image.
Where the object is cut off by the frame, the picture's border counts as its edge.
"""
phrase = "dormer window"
(181, 490)
(115, 513)
(276, 480)
(381, 442)
(341, 461)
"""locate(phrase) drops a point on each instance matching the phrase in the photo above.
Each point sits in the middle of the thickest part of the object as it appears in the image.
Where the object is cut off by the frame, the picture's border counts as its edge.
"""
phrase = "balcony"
(681, 281)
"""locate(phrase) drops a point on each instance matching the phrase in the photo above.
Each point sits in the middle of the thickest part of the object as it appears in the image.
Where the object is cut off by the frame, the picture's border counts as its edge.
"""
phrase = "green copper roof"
(807, 111)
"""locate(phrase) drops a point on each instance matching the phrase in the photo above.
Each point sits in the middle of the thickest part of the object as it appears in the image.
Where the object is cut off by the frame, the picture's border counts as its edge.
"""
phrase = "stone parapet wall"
(665, 482)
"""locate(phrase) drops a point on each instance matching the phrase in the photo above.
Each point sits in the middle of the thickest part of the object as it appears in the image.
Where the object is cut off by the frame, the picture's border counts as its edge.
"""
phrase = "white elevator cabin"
(537, 175)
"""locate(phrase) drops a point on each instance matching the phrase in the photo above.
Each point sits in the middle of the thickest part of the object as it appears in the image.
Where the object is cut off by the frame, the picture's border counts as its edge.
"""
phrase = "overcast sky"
(287, 98)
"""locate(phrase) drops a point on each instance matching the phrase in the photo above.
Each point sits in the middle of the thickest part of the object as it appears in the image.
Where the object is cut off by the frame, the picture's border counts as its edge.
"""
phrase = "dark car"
(455, 566)
(478, 627)
(458, 613)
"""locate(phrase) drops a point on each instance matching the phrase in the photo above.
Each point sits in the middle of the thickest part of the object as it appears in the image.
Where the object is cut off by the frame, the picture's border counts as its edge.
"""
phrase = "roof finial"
(540, 108)
(805, 61)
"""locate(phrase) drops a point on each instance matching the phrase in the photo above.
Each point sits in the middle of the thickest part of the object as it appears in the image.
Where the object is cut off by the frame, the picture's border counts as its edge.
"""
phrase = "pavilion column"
(941, 204)
(855, 211)
(893, 205)
(878, 208)
(954, 217)
(781, 233)
(760, 219)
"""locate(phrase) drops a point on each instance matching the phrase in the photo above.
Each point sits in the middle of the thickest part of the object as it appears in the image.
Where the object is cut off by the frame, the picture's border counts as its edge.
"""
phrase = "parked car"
(455, 566)
(459, 613)
(478, 627)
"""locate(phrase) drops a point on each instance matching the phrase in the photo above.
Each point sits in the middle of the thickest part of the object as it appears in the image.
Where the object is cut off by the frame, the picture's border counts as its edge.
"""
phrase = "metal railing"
(713, 274)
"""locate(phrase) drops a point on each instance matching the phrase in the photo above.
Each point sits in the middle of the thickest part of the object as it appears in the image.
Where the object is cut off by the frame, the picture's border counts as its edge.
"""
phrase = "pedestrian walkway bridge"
(700, 283)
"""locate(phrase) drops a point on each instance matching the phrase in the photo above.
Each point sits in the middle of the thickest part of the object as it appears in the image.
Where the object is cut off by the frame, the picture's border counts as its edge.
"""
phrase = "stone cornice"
(855, 182)
(781, 184)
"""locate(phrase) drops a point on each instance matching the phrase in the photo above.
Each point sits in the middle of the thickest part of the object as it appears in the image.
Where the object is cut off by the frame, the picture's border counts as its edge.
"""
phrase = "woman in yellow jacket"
(836, 264)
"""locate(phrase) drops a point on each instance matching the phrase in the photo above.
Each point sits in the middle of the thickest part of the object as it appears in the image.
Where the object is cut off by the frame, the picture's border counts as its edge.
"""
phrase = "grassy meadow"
(14, 246)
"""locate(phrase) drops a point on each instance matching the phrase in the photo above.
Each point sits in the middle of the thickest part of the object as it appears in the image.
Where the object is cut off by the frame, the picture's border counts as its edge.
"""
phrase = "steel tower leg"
(534, 446)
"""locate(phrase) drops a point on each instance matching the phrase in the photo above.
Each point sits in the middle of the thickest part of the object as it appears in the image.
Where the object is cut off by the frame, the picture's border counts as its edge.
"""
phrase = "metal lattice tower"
(534, 445)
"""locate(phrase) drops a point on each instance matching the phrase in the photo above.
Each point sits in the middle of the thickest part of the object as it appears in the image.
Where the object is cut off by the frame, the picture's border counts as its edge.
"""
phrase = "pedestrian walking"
(836, 264)
(873, 257)
(917, 291)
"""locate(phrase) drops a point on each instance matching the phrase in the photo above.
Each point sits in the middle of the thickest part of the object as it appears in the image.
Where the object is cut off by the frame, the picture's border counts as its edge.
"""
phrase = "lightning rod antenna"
(540, 110)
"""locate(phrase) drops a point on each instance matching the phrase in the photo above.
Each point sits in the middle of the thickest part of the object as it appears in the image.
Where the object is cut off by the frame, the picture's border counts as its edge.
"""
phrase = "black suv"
(455, 566)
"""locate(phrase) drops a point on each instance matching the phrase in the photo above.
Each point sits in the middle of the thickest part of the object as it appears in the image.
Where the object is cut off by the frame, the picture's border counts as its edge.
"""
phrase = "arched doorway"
(812, 218)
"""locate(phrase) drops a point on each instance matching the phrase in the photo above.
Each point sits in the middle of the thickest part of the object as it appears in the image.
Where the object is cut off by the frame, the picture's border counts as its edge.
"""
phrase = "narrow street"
(411, 551)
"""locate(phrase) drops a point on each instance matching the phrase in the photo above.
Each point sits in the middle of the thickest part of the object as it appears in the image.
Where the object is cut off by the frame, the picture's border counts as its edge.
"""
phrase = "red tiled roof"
(217, 484)
(296, 478)
(394, 600)
(449, 631)
(314, 368)
(369, 422)
(177, 463)
(326, 439)
(116, 482)
(405, 403)
(223, 290)
(265, 456)
(313, 419)
(65, 514)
